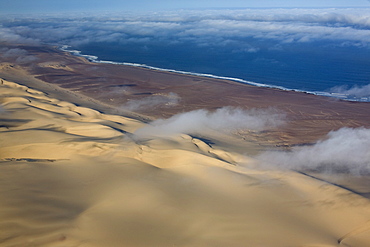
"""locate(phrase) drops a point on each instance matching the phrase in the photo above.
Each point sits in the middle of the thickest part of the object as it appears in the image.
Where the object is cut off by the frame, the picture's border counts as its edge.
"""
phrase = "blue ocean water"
(315, 67)
(306, 49)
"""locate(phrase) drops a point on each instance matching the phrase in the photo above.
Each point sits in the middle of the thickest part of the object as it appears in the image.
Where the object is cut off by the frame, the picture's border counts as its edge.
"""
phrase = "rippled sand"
(71, 175)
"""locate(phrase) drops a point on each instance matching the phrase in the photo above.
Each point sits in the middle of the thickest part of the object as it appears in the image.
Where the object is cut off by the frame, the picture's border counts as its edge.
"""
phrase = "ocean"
(318, 68)
(322, 51)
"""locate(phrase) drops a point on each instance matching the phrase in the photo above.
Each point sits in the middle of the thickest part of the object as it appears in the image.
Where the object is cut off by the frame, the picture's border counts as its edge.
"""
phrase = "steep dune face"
(73, 176)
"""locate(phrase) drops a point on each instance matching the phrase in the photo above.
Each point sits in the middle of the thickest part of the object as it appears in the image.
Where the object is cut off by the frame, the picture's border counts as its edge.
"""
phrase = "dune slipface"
(74, 176)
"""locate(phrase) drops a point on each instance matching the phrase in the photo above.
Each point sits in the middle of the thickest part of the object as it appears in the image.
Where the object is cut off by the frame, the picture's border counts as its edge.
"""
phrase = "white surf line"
(95, 59)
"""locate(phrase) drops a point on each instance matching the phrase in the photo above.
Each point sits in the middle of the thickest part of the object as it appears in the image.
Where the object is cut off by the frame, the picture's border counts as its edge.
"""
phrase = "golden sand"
(77, 169)
(74, 176)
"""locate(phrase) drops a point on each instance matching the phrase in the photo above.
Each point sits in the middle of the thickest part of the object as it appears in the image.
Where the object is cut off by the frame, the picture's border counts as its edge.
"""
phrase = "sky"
(52, 6)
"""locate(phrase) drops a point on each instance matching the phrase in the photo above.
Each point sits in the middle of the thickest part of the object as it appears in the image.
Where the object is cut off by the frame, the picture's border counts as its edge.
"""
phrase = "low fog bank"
(345, 150)
(226, 120)
(212, 27)
(20, 56)
(355, 91)
(152, 101)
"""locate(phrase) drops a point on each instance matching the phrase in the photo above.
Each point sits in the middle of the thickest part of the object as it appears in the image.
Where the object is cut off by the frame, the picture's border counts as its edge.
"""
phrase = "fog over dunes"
(226, 120)
(345, 150)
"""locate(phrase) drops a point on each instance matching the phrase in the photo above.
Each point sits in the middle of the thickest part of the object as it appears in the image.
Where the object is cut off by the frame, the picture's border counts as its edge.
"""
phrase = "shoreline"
(95, 59)
(165, 94)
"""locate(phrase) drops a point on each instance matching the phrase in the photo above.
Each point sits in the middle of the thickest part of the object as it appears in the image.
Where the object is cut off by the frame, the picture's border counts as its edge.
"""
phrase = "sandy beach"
(111, 155)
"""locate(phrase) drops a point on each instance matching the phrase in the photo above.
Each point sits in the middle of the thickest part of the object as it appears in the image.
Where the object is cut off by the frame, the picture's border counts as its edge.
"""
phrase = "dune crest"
(74, 176)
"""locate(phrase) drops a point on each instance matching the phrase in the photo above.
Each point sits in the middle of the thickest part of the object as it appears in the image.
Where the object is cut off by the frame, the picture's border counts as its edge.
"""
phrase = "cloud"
(10, 35)
(353, 92)
(206, 27)
(152, 101)
(16, 52)
(20, 56)
(226, 120)
(344, 150)
(26, 59)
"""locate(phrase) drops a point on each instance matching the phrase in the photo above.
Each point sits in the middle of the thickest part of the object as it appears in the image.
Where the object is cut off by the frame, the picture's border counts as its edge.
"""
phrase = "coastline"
(95, 59)
(311, 117)
(75, 157)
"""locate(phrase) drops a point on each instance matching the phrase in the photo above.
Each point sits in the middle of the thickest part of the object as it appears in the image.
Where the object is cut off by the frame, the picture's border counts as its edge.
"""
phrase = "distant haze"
(48, 6)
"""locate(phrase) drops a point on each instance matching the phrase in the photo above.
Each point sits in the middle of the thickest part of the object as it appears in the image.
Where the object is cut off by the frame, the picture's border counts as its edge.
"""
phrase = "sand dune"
(74, 176)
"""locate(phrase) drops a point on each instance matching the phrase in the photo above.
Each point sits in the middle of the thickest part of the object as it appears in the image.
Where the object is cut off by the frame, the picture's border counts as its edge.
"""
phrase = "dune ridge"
(75, 176)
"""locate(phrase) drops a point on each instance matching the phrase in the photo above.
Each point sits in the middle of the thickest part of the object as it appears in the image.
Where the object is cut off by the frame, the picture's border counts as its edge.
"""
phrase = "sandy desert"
(77, 169)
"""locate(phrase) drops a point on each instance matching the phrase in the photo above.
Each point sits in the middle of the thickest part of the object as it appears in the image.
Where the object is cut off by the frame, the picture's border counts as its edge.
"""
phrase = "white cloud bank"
(206, 27)
(20, 56)
(226, 119)
(345, 150)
